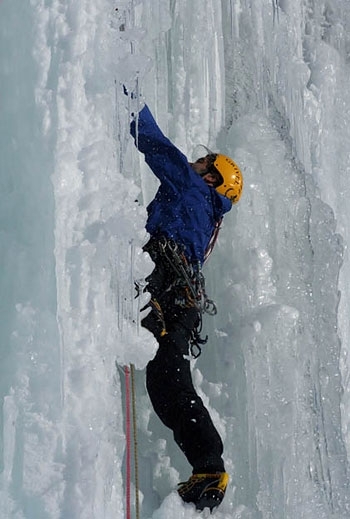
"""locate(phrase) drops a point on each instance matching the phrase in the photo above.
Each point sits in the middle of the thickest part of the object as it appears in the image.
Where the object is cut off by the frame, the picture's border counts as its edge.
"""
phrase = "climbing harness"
(189, 274)
(130, 411)
(189, 281)
(189, 277)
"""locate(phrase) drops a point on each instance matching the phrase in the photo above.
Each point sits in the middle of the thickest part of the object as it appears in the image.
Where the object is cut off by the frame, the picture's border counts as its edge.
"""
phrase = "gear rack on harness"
(190, 282)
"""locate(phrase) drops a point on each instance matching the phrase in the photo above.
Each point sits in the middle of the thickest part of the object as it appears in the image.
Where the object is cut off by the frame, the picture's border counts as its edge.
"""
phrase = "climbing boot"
(204, 490)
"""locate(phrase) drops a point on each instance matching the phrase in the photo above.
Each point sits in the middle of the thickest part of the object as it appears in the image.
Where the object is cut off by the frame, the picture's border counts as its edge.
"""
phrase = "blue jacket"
(185, 208)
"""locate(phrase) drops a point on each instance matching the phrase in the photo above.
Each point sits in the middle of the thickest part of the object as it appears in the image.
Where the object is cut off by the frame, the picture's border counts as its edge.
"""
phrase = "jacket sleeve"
(166, 161)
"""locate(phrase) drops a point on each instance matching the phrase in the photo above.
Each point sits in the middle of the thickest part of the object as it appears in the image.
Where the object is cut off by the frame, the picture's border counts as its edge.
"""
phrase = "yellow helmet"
(232, 178)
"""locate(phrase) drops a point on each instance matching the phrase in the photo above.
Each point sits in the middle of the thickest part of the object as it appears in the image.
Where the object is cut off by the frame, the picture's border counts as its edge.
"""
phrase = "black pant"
(169, 381)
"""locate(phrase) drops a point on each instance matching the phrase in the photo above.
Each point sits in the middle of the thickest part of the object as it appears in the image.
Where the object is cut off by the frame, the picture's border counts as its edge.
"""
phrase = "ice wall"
(261, 81)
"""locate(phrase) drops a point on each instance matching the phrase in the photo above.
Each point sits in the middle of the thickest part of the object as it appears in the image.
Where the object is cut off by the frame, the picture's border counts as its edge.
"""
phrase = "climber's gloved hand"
(135, 99)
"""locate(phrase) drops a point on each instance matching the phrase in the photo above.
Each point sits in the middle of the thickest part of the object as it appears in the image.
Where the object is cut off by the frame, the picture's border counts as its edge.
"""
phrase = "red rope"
(128, 441)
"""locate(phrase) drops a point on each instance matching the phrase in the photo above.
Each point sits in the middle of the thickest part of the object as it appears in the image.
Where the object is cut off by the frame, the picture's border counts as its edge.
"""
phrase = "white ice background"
(265, 81)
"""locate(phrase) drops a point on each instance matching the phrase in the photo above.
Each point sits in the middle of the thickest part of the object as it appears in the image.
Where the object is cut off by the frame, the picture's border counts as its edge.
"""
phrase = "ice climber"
(182, 222)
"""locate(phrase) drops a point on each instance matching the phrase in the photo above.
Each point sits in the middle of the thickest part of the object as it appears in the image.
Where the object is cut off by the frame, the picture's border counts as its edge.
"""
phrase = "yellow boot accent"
(204, 490)
(158, 309)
